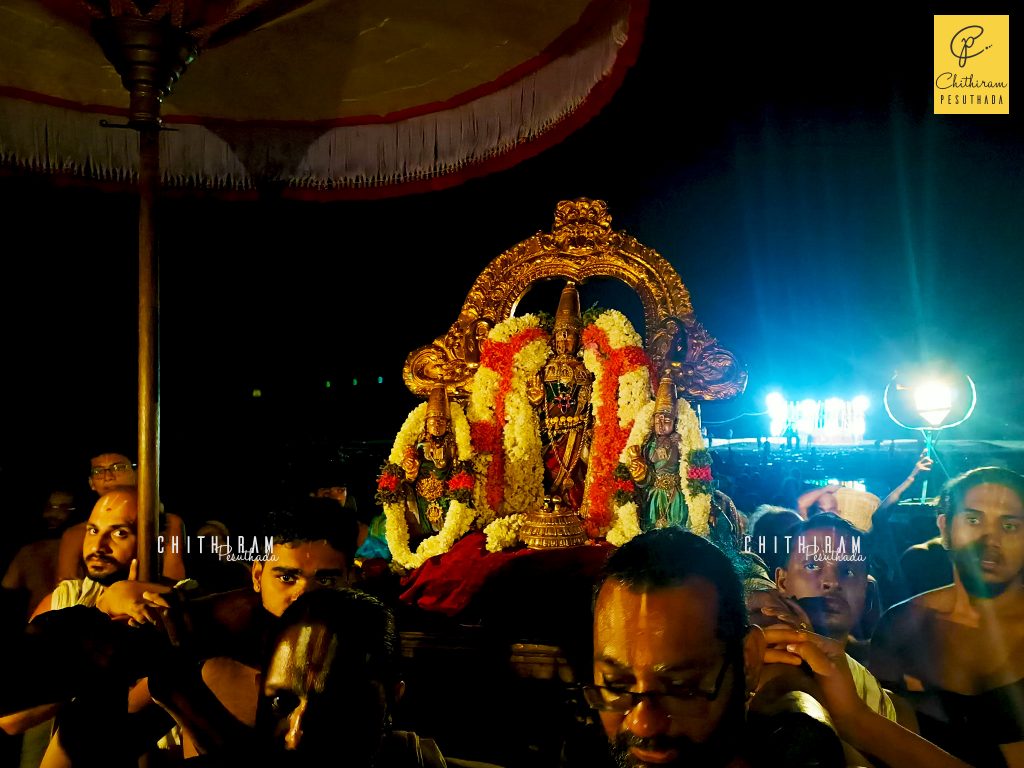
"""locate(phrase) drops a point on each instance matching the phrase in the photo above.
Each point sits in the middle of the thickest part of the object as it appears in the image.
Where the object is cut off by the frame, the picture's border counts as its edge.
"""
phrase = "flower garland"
(695, 477)
(503, 533)
(459, 515)
(613, 352)
(505, 428)
(695, 471)
(627, 522)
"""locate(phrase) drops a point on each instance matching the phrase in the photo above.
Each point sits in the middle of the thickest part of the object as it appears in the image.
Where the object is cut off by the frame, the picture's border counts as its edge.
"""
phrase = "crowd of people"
(782, 643)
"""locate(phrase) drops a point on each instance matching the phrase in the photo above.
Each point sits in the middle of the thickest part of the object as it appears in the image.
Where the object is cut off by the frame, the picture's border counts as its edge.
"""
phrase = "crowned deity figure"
(429, 467)
(655, 465)
(562, 392)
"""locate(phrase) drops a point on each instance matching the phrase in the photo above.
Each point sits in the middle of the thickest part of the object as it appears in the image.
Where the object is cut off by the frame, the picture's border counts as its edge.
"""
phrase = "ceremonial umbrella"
(308, 99)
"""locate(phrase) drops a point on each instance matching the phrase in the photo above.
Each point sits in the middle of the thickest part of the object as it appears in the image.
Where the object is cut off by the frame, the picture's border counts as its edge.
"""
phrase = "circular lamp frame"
(936, 427)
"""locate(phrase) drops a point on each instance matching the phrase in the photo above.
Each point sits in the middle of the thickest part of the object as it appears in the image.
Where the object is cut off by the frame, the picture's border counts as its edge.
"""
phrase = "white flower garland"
(641, 428)
(459, 516)
(627, 520)
(508, 329)
(633, 395)
(457, 522)
(503, 533)
(524, 463)
(523, 483)
(699, 505)
(483, 395)
(618, 329)
(626, 526)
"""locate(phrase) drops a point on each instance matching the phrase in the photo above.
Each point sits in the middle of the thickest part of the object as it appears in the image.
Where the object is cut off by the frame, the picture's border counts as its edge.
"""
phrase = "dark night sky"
(827, 225)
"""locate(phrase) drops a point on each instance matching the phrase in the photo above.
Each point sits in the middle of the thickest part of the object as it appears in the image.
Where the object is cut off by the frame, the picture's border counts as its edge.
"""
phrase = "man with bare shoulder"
(312, 548)
(109, 472)
(676, 661)
(957, 652)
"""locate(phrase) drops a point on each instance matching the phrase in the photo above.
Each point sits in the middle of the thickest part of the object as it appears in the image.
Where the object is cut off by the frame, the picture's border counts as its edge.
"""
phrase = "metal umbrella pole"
(150, 55)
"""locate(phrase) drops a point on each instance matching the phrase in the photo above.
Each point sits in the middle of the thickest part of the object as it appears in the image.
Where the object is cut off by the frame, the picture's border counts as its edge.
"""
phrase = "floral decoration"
(626, 526)
(625, 486)
(698, 476)
(505, 428)
(503, 532)
(457, 491)
(695, 472)
(613, 352)
(389, 484)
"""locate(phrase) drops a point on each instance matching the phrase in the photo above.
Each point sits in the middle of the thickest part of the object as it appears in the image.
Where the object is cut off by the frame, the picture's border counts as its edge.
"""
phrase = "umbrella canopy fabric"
(322, 99)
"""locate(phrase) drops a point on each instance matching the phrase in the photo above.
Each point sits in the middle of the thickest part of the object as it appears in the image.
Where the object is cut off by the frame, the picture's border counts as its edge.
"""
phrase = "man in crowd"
(313, 548)
(957, 653)
(107, 472)
(33, 571)
(329, 687)
(827, 574)
(674, 659)
(108, 552)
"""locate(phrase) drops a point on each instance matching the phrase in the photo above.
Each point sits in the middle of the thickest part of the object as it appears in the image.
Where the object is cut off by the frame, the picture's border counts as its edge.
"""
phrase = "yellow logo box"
(972, 65)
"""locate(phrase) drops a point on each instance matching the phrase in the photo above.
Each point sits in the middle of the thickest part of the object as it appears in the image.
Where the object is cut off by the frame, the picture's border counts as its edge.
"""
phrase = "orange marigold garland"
(613, 352)
(509, 356)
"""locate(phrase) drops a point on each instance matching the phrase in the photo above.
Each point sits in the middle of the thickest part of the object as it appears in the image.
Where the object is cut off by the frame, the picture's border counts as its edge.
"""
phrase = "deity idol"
(654, 465)
(429, 467)
(562, 393)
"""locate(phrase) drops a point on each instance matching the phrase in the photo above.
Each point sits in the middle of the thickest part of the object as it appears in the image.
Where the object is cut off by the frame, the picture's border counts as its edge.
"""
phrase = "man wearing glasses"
(109, 471)
(676, 661)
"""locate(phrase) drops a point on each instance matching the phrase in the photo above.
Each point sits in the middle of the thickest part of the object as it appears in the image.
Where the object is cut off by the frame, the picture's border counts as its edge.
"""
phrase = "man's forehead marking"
(311, 640)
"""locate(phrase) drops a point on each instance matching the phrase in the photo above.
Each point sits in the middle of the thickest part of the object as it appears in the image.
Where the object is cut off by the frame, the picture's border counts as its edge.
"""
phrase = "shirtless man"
(108, 472)
(957, 652)
(313, 548)
(675, 659)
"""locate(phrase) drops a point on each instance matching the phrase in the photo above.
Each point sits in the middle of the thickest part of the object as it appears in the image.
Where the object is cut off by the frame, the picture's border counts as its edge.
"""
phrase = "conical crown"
(437, 403)
(568, 314)
(665, 401)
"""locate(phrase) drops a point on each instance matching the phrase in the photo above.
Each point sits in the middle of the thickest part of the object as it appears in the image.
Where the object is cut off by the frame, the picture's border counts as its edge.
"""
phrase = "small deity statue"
(562, 392)
(654, 465)
(429, 467)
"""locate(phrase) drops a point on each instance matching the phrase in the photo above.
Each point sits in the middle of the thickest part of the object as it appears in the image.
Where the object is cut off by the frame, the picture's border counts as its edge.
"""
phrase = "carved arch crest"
(582, 245)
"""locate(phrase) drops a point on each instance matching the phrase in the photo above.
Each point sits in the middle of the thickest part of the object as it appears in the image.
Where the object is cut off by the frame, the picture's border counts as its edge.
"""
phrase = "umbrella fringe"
(54, 139)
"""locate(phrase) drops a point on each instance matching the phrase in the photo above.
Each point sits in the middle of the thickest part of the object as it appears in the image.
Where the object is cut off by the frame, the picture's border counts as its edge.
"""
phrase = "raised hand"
(134, 601)
(827, 660)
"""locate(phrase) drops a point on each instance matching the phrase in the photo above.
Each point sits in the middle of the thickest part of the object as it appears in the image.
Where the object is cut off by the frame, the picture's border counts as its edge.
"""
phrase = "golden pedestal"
(553, 527)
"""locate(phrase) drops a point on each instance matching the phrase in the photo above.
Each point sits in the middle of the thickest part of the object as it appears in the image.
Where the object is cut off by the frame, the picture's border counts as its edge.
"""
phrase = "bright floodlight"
(933, 400)
(778, 411)
(860, 403)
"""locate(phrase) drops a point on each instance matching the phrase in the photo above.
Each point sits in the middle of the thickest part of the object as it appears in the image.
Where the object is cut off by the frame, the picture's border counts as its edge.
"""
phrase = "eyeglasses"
(112, 469)
(679, 700)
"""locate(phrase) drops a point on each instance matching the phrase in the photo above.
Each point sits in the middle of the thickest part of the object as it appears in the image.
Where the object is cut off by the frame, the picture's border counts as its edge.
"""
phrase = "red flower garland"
(388, 482)
(500, 357)
(699, 473)
(609, 438)
(463, 481)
